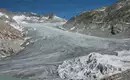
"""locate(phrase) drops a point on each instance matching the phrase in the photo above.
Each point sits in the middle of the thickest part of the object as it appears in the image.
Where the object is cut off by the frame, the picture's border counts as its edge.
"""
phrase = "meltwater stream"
(39, 61)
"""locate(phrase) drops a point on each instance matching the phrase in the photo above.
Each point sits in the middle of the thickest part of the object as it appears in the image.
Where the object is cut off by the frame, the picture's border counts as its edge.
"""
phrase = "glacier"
(56, 54)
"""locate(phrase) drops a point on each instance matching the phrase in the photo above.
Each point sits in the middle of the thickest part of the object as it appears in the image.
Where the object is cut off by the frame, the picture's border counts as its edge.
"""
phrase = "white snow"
(34, 19)
(7, 16)
(127, 23)
(19, 19)
(6, 21)
(34, 13)
(58, 18)
(88, 67)
(16, 26)
(44, 18)
(1, 14)
(102, 9)
(125, 55)
(55, 19)
(72, 28)
(119, 7)
(22, 19)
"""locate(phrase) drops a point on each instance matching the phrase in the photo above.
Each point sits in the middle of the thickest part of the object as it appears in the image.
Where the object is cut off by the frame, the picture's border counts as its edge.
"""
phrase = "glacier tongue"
(92, 67)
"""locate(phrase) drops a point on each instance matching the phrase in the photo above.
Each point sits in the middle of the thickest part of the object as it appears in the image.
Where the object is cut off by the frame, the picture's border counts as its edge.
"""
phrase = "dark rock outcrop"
(119, 76)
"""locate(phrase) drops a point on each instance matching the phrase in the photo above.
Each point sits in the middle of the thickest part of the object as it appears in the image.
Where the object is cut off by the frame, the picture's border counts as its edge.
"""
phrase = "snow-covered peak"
(19, 19)
(92, 67)
(59, 18)
(56, 17)
(101, 9)
(22, 19)
(8, 20)
(44, 18)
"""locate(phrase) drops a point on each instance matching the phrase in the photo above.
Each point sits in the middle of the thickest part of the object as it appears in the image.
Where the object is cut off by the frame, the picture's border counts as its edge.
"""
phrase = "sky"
(62, 8)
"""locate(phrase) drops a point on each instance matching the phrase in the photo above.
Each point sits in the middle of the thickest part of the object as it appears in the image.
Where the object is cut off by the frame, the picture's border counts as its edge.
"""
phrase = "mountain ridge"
(103, 21)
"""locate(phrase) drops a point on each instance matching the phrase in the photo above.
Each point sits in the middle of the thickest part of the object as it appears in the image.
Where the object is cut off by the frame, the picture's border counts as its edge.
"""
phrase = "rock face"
(119, 76)
(11, 35)
(109, 21)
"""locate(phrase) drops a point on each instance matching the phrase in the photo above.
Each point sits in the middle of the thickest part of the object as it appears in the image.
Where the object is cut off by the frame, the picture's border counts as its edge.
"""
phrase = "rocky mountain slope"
(109, 21)
(11, 36)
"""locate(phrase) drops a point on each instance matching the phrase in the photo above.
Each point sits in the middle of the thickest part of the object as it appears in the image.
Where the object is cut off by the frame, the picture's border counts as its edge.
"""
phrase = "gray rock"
(110, 21)
(119, 76)
(11, 38)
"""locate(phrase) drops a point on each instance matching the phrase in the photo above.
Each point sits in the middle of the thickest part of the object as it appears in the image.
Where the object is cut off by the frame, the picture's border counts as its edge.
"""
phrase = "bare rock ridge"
(108, 21)
(125, 75)
(11, 35)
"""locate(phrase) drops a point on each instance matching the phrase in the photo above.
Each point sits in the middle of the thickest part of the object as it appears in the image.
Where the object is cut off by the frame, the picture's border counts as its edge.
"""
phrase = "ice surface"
(51, 47)
(92, 67)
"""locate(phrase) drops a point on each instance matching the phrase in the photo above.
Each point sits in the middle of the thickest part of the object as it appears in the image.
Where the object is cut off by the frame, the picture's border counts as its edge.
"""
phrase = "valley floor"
(50, 46)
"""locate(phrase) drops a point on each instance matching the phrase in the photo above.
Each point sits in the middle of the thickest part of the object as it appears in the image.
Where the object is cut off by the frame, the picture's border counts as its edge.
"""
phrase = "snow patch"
(19, 19)
(7, 16)
(33, 13)
(22, 19)
(125, 55)
(72, 28)
(92, 67)
(102, 9)
(58, 18)
(44, 18)
(1, 14)
(16, 26)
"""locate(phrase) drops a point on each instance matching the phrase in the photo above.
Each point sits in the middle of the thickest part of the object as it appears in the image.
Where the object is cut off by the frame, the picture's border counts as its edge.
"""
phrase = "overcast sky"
(63, 8)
